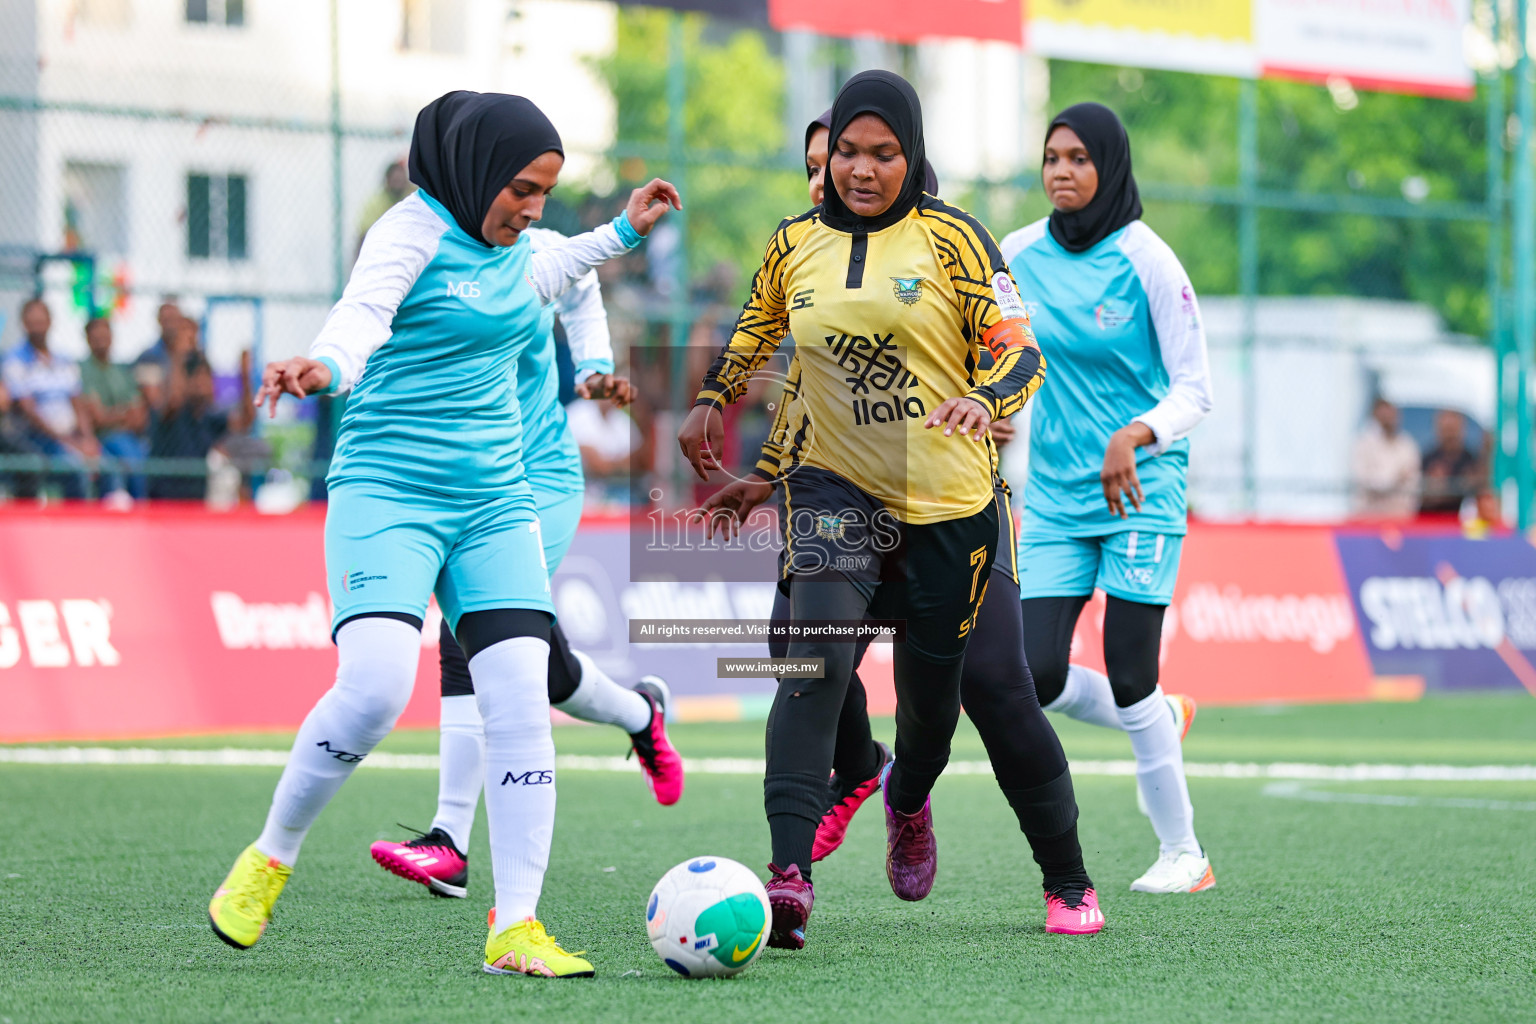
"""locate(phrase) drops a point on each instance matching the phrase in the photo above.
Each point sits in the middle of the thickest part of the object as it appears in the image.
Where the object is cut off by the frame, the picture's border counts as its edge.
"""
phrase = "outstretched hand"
(299, 377)
(702, 438)
(648, 202)
(605, 385)
(728, 507)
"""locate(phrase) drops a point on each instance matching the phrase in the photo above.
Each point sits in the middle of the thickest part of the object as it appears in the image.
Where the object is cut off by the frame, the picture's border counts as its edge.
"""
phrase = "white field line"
(229, 757)
(1296, 791)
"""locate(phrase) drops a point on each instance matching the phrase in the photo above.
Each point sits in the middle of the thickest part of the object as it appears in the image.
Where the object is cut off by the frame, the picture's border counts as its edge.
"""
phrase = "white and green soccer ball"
(708, 918)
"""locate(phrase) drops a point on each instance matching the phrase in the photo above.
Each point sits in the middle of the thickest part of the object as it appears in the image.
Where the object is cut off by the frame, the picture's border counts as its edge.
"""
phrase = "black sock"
(1061, 864)
(792, 838)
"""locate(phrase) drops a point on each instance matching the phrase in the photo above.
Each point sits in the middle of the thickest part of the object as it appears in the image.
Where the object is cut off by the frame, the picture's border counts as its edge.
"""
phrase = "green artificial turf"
(1404, 911)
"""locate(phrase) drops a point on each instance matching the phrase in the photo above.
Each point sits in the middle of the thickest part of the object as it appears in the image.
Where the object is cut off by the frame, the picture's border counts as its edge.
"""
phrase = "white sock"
(600, 699)
(376, 668)
(461, 774)
(1087, 698)
(1160, 772)
(512, 686)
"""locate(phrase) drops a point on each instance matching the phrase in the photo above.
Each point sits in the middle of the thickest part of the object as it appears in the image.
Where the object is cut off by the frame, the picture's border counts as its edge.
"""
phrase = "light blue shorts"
(389, 550)
(559, 516)
(1133, 565)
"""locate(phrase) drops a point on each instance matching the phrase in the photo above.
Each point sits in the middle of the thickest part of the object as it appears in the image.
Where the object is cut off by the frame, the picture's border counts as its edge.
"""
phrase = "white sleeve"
(1180, 338)
(586, 327)
(394, 253)
(556, 268)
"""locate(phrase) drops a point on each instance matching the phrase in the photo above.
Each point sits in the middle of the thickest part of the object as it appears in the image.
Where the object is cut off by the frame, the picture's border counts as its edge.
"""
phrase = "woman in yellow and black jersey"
(891, 295)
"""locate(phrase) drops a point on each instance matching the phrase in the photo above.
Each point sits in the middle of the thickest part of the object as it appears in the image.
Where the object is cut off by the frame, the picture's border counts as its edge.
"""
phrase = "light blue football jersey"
(1120, 330)
(434, 408)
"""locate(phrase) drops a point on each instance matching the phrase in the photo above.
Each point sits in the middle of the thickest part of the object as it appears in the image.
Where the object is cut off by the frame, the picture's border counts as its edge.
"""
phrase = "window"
(432, 26)
(216, 216)
(216, 12)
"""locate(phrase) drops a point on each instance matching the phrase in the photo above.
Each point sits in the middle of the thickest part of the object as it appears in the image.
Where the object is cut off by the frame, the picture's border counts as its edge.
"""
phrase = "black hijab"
(930, 179)
(893, 100)
(468, 146)
(1117, 202)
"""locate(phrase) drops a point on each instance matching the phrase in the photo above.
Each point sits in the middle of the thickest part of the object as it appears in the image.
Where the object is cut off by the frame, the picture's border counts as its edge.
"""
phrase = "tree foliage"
(734, 107)
(1184, 131)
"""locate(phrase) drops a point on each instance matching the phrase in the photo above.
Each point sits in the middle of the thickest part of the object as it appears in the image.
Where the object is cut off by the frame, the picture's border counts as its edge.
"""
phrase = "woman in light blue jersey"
(438, 858)
(1104, 506)
(428, 494)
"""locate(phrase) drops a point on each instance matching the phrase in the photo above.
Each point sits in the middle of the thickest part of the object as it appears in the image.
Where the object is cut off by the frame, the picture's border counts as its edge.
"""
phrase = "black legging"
(564, 669)
(1133, 634)
(855, 757)
(994, 683)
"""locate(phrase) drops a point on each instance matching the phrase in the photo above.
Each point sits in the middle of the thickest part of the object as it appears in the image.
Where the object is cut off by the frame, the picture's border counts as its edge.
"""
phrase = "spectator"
(190, 426)
(46, 391)
(13, 442)
(397, 185)
(1385, 467)
(118, 412)
(607, 438)
(1452, 474)
(153, 366)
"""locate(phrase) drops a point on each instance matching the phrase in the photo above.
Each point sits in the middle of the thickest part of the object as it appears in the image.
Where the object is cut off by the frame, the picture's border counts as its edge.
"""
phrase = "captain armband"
(1008, 334)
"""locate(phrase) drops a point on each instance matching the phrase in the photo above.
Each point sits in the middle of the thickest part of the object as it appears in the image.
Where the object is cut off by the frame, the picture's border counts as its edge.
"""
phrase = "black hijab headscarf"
(1117, 202)
(930, 179)
(468, 146)
(893, 100)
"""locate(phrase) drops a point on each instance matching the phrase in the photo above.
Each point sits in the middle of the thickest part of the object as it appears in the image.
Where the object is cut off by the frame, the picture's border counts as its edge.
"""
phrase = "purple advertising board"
(1456, 612)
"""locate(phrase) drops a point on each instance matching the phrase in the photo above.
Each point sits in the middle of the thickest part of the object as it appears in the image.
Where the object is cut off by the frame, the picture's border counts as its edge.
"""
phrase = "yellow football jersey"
(888, 325)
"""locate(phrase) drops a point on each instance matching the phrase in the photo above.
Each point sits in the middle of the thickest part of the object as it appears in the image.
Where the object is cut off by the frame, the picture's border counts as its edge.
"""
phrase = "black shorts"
(931, 575)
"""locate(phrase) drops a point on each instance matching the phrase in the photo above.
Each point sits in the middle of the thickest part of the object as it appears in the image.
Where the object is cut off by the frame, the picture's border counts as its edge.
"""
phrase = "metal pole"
(1506, 431)
(1523, 284)
(677, 160)
(338, 246)
(1248, 280)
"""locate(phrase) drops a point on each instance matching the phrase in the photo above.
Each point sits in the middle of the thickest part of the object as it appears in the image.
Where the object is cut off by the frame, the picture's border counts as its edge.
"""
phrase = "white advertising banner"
(1411, 46)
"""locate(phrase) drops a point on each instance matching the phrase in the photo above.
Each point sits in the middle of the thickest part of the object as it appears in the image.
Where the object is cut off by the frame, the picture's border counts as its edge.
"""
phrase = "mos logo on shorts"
(909, 290)
(353, 580)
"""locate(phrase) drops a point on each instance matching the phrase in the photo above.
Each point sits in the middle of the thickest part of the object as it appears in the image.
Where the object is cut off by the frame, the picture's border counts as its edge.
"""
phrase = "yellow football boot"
(526, 948)
(241, 908)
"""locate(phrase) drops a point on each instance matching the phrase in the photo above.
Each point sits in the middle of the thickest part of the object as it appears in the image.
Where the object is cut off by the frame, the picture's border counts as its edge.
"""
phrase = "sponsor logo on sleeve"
(1007, 296)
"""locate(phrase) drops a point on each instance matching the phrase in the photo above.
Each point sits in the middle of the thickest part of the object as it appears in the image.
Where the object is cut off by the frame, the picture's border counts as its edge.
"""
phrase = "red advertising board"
(174, 621)
(904, 21)
(1261, 614)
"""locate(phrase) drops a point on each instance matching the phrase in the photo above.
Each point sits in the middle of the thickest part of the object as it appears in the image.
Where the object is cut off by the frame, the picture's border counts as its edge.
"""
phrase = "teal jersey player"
(1120, 328)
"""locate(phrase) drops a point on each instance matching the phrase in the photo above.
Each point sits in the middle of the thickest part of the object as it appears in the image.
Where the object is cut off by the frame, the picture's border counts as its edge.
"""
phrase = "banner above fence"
(903, 21)
(1411, 46)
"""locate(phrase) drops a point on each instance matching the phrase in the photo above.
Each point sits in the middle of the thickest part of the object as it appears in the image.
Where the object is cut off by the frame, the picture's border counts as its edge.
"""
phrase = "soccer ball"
(708, 918)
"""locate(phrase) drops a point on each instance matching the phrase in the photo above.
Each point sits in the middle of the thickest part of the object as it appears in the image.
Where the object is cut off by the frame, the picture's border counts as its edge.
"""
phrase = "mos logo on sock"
(529, 778)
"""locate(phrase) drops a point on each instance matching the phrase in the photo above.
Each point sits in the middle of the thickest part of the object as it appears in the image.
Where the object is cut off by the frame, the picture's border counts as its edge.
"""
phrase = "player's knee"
(1049, 671)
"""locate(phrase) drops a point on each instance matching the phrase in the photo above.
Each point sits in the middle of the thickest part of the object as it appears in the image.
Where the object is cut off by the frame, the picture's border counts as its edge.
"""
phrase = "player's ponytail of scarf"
(468, 146)
(1117, 202)
(891, 98)
(930, 179)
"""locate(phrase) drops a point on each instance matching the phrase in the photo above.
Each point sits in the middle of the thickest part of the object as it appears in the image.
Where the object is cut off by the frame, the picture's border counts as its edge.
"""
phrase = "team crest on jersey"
(909, 290)
(830, 527)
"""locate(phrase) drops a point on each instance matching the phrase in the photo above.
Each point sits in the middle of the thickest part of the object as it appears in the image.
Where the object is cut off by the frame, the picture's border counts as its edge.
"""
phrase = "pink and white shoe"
(1063, 916)
(430, 859)
(833, 827)
(659, 760)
